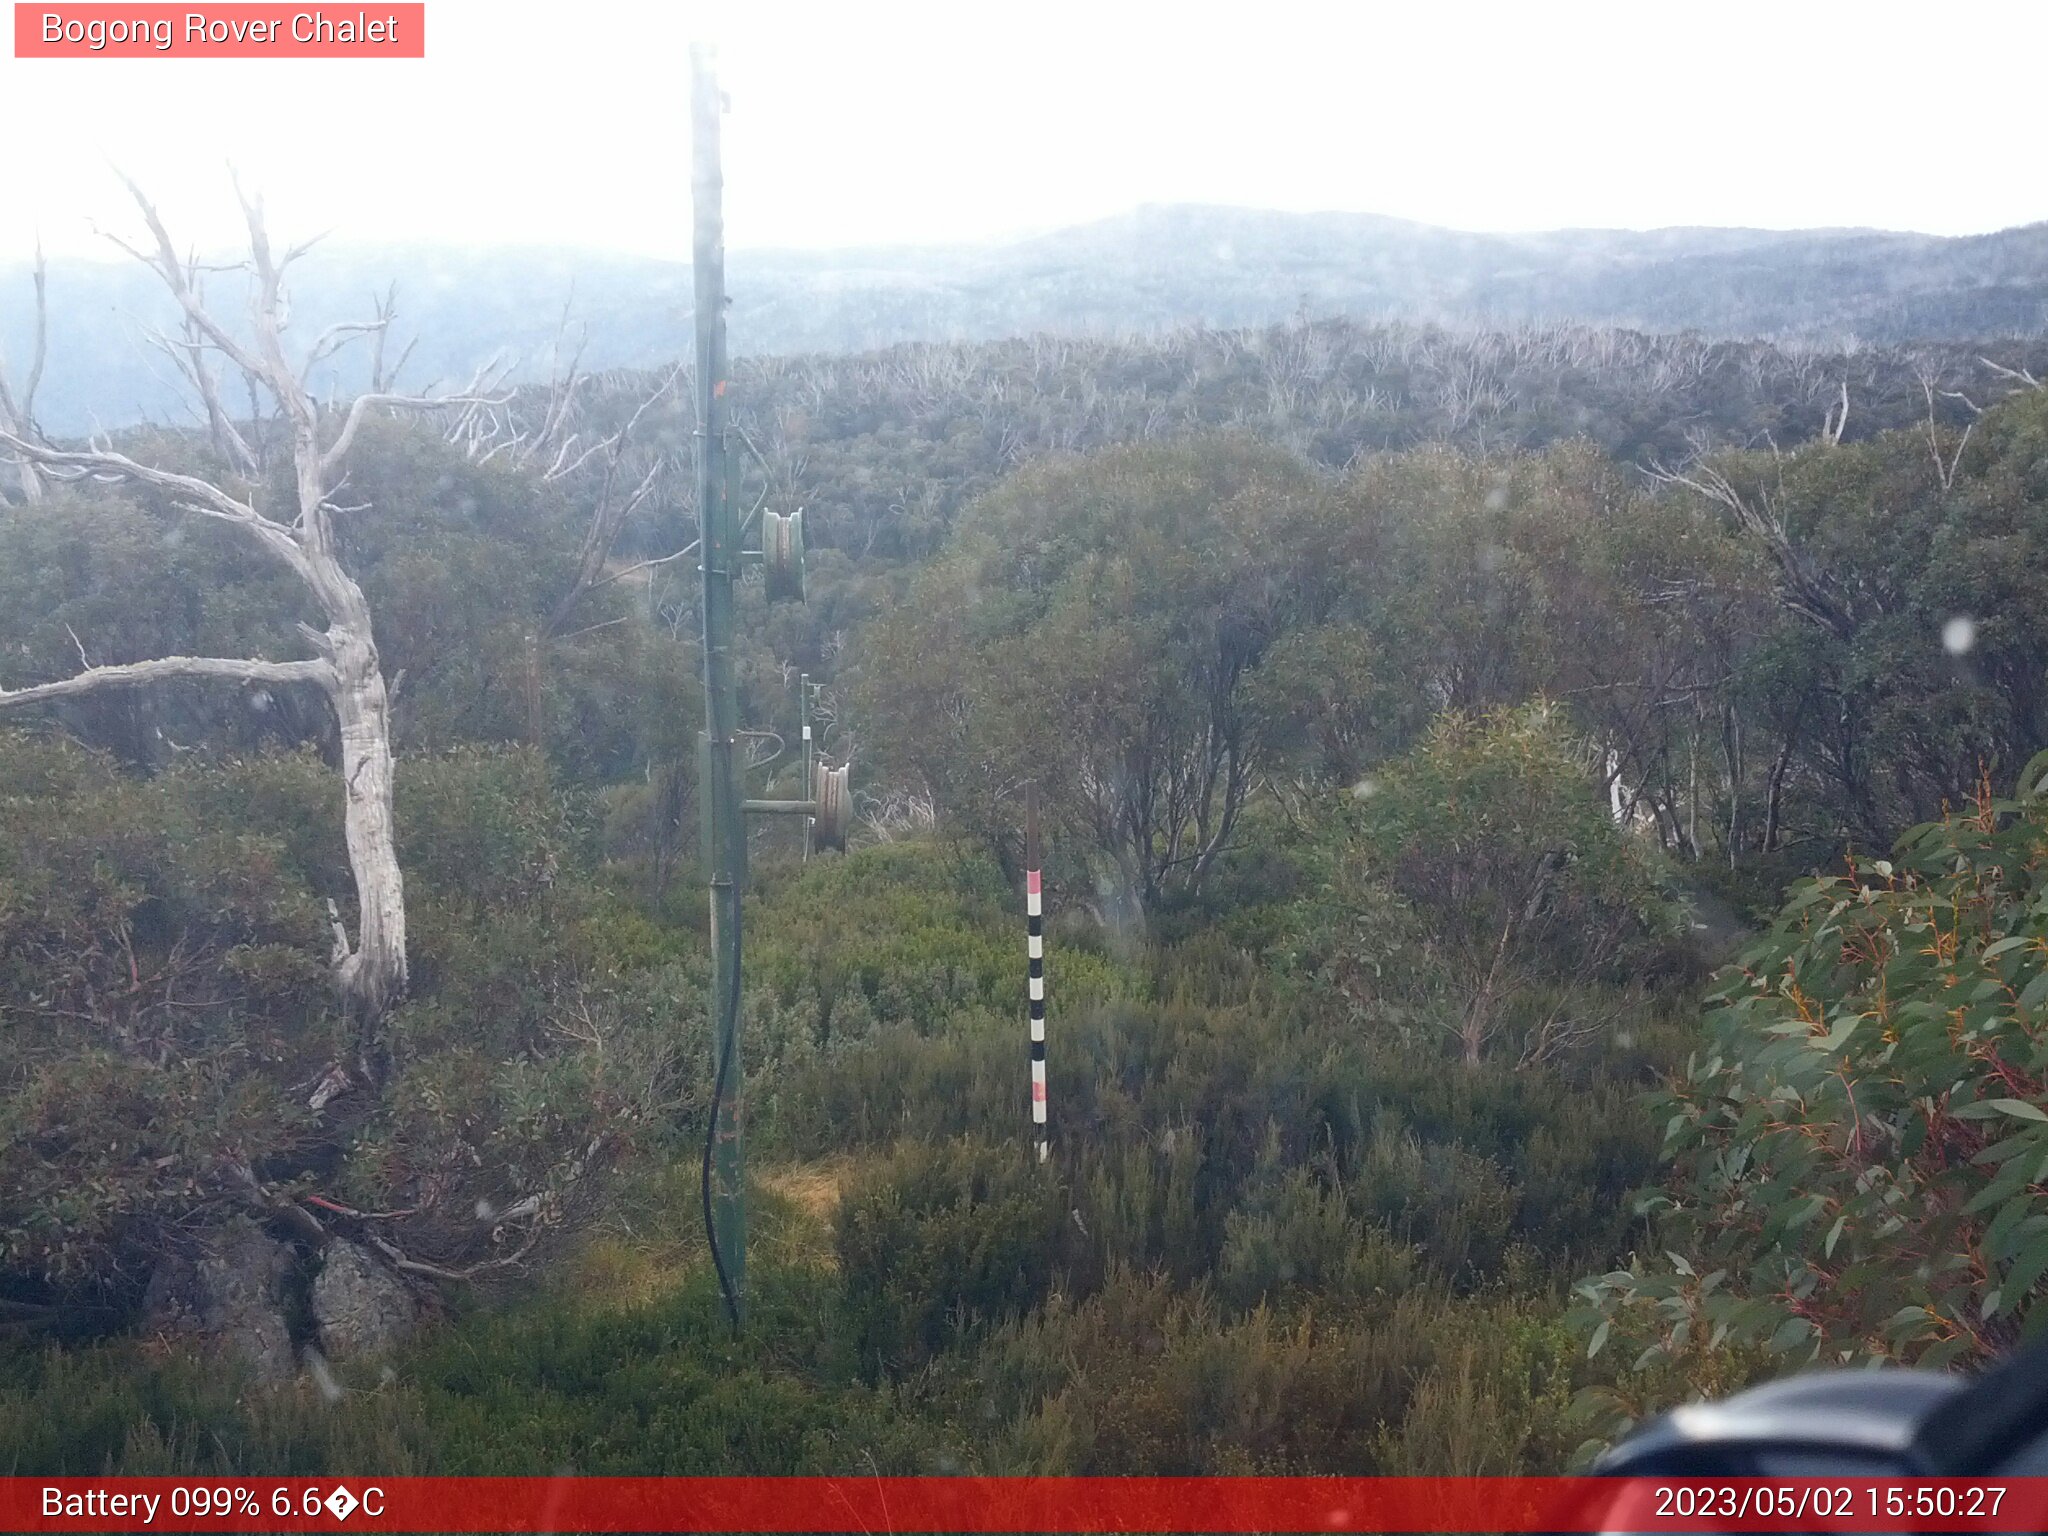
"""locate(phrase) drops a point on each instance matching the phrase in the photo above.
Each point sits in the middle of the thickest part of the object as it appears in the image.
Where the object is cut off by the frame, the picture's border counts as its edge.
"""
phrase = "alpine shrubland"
(1532, 934)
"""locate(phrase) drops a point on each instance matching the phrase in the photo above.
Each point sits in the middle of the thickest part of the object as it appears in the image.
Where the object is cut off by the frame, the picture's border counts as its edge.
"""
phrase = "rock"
(361, 1307)
(231, 1294)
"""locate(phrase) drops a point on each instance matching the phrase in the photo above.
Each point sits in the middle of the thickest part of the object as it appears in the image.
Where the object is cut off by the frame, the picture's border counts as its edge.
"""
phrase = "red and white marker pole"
(1034, 927)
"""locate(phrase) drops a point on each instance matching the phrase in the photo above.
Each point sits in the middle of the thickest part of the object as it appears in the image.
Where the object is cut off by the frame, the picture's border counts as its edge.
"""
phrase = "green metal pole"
(724, 825)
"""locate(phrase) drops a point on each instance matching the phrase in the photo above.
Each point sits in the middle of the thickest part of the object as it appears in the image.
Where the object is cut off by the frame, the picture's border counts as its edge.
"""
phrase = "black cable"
(728, 1030)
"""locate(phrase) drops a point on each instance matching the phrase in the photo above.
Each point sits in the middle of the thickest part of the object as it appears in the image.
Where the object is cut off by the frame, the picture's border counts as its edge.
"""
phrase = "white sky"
(567, 123)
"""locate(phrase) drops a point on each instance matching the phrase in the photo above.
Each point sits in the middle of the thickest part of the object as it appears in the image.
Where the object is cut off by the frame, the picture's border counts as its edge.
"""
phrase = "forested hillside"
(1422, 718)
(885, 447)
(1156, 269)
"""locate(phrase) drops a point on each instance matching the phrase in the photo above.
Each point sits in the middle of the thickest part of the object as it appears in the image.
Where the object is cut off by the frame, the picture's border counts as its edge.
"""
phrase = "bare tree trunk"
(1692, 782)
(1773, 794)
(1731, 752)
(1774, 791)
(17, 414)
(373, 976)
(1477, 1024)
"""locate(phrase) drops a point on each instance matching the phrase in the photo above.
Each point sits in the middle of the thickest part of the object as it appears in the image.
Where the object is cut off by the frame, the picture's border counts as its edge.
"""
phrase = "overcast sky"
(567, 123)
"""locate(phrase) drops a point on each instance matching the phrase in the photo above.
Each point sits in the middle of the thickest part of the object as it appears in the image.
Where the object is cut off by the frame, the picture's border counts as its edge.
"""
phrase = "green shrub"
(159, 995)
(1479, 887)
(1299, 1244)
(1859, 1144)
(548, 1385)
(1146, 1378)
(939, 1242)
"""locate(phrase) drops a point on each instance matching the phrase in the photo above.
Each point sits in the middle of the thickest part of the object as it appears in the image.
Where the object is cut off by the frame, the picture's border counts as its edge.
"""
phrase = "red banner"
(101, 31)
(1019, 1505)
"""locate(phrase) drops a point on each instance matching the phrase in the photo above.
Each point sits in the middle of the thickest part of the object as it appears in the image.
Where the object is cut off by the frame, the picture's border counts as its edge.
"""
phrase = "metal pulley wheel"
(835, 807)
(782, 555)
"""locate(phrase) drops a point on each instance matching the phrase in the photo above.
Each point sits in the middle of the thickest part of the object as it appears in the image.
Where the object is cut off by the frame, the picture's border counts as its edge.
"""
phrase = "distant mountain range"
(1152, 269)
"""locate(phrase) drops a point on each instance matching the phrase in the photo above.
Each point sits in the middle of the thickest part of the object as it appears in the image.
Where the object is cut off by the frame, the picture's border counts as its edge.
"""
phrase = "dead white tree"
(191, 351)
(548, 436)
(2018, 376)
(1803, 588)
(1837, 420)
(298, 531)
(1945, 467)
(619, 495)
(17, 412)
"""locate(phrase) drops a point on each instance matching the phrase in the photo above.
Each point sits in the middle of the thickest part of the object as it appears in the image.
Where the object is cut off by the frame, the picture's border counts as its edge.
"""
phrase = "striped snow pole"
(1034, 944)
(810, 780)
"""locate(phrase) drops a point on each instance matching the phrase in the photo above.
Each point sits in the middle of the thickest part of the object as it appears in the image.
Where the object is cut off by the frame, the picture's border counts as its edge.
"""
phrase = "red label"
(219, 32)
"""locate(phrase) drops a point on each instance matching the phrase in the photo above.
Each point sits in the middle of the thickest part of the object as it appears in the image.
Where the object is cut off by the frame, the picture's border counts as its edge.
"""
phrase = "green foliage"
(1496, 825)
(1326, 1223)
(938, 1242)
(884, 997)
(905, 937)
(483, 828)
(1145, 1378)
(655, 1389)
(1478, 885)
(1766, 673)
(1348, 740)
(165, 1009)
(1887, 706)
(1099, 619)
(1295, 1238)
(1333, 699)
(159, 992)
(1859, 1145)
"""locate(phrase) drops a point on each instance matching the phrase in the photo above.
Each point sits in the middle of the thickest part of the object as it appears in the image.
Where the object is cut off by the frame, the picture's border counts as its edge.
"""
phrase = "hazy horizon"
(108, 254)
(911, 126)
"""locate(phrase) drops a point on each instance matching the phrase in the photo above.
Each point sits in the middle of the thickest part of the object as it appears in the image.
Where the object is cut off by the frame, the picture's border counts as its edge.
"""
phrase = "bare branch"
(1800, 589)
(637, 567)
(591, 629)
(605, 523)
(611, 513)
(169, 668)
(387, 311)
(334, 338)
(106, 462)
(193, 494)
(562, 386)
(2017, 375)
(39, 349)
(176, 276)
(372, 975)
(616, 444)
(441, 1272)
(355, 1215)
(361, 407)
(189, 354)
